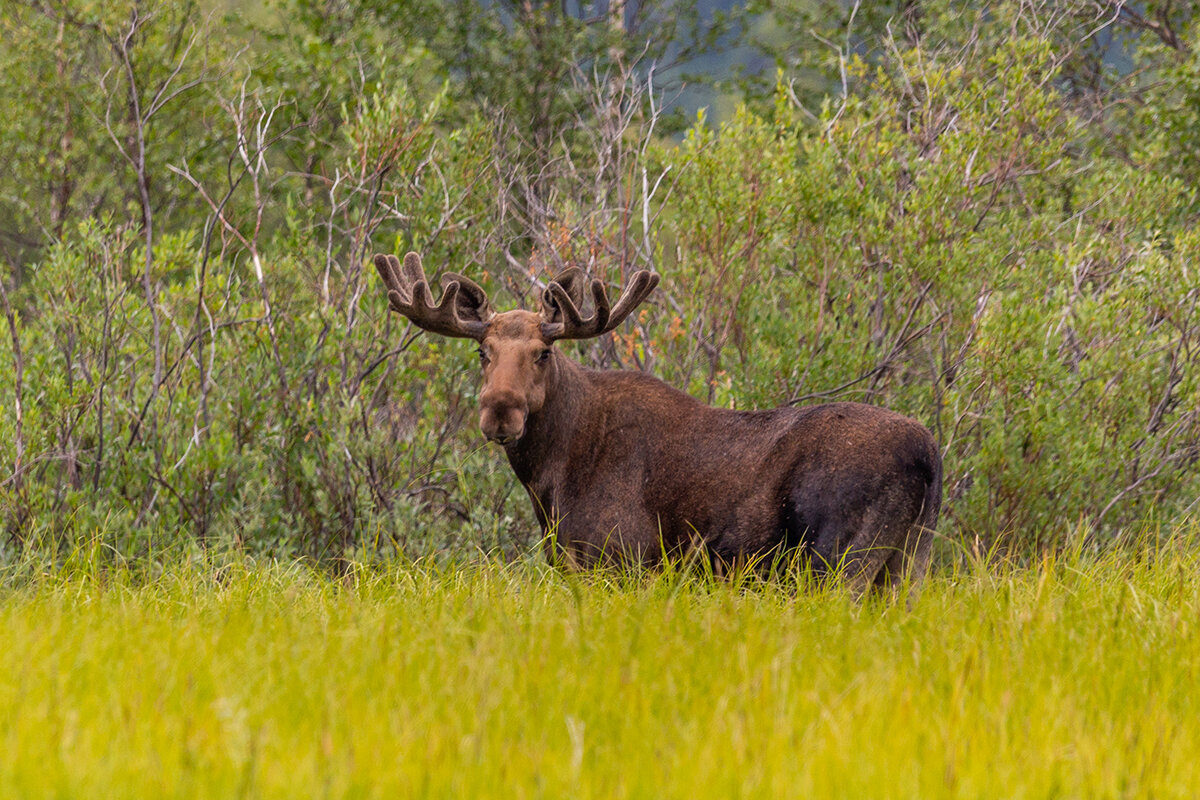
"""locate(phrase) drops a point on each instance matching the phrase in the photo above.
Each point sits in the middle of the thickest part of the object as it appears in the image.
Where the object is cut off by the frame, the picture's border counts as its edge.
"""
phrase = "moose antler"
(463, 310)
(561, 311)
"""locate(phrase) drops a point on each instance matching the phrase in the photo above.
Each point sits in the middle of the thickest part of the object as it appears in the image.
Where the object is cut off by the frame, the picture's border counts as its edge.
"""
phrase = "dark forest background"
(981, 214)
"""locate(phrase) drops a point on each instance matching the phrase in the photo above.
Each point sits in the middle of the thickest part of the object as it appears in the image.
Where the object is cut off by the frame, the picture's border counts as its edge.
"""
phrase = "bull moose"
(622, 467)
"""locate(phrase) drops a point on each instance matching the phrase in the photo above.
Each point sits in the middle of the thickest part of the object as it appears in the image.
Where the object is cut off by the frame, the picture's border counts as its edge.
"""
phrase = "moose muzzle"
(502, 416)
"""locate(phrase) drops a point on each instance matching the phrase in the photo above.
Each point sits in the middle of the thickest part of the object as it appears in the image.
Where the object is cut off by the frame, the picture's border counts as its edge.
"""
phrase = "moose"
(623, 468)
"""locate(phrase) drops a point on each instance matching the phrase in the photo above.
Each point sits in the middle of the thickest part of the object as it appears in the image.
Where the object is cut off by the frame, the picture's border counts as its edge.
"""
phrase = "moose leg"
(911, 562)
(879, 542)
(595, 534)
(725, 567)
(887, 539)
(862, 565)
(906, 568)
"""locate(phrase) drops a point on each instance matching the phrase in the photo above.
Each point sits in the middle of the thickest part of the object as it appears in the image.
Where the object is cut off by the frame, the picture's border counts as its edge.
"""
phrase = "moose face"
(515, 347)
(517, 361)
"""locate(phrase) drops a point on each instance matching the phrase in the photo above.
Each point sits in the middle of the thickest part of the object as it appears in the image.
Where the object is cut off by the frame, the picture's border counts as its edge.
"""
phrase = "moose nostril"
(502, 438)
(502, 424)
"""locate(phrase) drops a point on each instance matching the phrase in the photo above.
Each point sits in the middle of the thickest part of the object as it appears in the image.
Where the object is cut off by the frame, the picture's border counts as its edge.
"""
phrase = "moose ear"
(572, 281)
(471, 302)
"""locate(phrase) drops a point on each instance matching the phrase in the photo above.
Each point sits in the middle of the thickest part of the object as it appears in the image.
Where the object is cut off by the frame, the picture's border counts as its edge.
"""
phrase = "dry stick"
(356, 285)
(1186, 452)
(102, 380)
(903, 338)
(1174, 376)
(900, 343)
(197, 337)
(199, 331)
(1161, 28)
(137, 160)
(252, 242)
(19, 392)
(140, 118)
(1133, 487)
(64, 189)
(219, 216)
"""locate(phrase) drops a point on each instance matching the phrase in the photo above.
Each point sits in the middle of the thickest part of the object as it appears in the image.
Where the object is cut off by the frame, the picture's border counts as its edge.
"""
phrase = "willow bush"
(948, 235)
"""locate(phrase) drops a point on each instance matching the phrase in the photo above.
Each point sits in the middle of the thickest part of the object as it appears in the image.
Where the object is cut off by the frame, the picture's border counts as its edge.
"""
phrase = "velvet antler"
(463, 310)
(561, 302)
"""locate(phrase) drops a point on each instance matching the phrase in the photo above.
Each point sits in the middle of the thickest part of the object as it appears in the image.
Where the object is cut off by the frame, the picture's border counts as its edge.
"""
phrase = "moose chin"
(622, 468)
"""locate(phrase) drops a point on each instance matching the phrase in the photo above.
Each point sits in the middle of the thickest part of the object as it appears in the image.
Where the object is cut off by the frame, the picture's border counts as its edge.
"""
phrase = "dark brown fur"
(622, 467)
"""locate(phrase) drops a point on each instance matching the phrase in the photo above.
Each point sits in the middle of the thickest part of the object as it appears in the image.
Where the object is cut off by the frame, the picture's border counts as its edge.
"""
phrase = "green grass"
(1076, 678)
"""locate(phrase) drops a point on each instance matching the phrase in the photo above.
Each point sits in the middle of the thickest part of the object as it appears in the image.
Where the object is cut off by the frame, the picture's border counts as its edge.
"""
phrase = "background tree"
(983, 217)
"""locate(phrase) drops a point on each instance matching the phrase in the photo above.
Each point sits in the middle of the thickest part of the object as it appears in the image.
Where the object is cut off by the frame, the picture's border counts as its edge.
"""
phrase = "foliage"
(971, 217)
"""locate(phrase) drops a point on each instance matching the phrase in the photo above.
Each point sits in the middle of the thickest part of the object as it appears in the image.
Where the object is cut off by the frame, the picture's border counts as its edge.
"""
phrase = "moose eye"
(543, 356)
(483, 354)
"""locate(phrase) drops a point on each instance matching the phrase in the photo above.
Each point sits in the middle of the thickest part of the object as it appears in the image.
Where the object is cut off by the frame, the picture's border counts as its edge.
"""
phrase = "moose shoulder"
(621, 466)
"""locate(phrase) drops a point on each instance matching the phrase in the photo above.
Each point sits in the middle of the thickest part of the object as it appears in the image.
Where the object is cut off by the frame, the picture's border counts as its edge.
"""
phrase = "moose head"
(515, 347)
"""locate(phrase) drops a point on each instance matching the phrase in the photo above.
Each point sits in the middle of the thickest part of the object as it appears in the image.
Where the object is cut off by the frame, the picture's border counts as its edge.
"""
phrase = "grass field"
(1076, 678)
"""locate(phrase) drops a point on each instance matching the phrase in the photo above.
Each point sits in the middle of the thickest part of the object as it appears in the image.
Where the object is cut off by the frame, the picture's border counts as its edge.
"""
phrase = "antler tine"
(639, 288)
(408, 294)
(604, 318)
(574, 326)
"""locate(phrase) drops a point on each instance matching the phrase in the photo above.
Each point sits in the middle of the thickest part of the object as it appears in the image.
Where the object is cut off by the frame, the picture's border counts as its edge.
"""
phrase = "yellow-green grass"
(1076, 678)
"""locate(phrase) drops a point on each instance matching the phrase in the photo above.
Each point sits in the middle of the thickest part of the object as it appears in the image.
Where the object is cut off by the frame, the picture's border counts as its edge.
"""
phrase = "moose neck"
(549, 431)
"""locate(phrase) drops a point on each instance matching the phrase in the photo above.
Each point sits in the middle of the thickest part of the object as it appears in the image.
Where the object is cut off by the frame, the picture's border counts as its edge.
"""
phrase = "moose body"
(622, 467)
(641, 469)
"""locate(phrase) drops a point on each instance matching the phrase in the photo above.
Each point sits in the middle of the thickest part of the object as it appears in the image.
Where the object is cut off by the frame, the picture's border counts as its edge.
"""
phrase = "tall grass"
(1074, 678)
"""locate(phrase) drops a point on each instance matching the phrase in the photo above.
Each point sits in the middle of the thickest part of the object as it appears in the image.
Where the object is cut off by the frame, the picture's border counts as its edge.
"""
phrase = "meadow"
(1073, 677)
